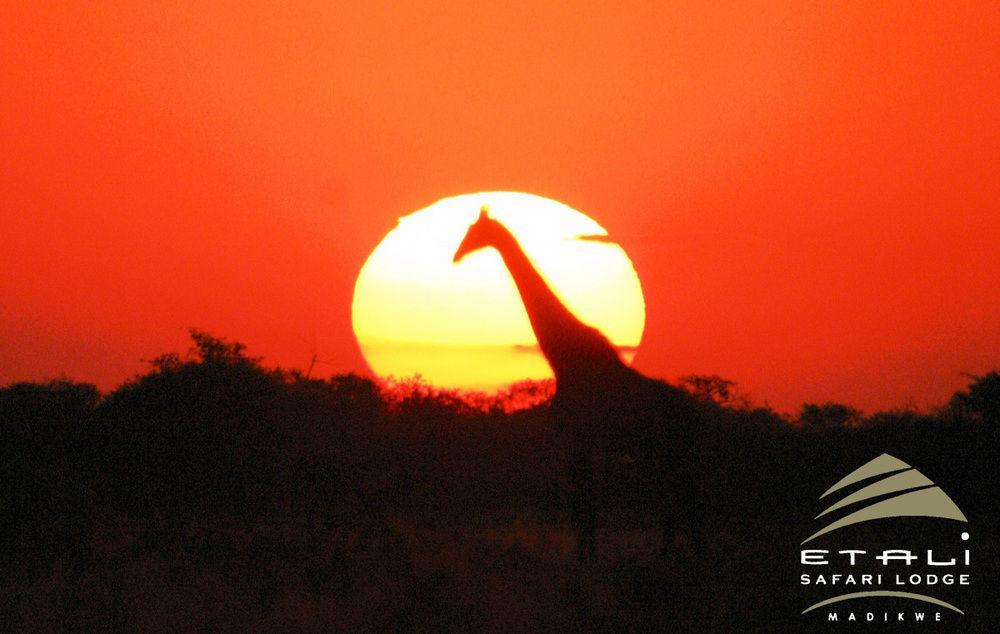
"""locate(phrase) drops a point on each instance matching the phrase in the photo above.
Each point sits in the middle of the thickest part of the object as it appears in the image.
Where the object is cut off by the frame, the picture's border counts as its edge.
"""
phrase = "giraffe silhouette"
(630, 439)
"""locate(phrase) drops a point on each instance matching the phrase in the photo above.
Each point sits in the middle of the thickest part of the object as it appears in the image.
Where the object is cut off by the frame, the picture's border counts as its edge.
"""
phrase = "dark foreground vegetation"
(212, 493)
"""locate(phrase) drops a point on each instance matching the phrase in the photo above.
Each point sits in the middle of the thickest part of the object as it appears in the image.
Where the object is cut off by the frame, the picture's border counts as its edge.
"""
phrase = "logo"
(897, 574)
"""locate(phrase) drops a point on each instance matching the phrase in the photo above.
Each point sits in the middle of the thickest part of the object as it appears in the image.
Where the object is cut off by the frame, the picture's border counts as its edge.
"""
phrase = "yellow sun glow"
(463, 325)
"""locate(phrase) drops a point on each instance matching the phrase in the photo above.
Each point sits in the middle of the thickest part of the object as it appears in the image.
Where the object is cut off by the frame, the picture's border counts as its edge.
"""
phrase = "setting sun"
(464, 325)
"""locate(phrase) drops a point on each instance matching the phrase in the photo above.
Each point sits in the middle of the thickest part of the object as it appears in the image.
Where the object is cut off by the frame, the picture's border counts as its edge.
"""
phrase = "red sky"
(809, 196)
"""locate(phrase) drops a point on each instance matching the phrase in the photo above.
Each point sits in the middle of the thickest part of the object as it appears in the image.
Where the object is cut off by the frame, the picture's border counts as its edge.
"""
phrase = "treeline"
(216, 492)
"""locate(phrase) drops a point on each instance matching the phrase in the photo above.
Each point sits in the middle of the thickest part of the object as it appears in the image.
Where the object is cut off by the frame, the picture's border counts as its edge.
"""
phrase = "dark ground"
(214, 494)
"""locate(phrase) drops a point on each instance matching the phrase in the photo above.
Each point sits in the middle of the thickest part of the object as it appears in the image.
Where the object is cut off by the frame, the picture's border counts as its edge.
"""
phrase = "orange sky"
(809, 197)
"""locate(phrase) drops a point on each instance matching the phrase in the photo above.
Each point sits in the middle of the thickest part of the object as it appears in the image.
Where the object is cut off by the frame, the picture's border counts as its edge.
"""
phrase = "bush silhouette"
(828, 416)
(982, 400)
(212, 489)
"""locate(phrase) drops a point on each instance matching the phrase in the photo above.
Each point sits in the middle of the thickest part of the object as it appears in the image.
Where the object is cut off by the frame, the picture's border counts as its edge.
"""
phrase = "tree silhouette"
(712, 388)
(828, 416)
(982, 400)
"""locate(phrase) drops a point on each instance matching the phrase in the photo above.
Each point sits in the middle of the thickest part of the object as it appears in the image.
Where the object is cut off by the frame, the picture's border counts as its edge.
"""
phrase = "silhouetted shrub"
(828, 416)
(982, 400)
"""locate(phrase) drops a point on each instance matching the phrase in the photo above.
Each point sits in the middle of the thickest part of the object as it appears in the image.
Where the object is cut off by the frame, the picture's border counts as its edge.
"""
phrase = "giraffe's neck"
(568, 344)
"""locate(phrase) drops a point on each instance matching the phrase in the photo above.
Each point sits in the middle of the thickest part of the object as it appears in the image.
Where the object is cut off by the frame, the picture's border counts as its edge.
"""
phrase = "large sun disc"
(463, 325)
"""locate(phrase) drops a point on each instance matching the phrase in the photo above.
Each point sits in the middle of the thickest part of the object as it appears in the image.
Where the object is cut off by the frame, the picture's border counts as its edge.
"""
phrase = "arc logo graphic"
(885, 488)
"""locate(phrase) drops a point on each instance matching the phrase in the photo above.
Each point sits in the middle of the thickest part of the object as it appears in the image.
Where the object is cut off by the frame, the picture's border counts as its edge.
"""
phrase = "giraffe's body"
(605, 409)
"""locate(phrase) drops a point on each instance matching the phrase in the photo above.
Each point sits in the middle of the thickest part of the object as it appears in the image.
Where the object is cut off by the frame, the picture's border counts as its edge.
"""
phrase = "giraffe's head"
(484, 232)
